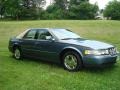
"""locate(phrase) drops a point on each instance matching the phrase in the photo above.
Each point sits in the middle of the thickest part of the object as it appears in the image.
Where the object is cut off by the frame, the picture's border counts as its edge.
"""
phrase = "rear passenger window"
(30, 35)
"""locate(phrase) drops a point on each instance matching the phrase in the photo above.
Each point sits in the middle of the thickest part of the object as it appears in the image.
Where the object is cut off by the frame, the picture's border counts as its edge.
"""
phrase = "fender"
(73, 48)
(16, 44)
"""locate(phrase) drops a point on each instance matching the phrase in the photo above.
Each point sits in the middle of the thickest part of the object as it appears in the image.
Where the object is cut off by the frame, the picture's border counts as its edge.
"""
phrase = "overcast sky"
(101, 3)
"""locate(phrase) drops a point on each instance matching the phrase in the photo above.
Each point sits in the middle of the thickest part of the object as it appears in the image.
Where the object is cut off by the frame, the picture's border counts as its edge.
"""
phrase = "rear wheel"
(72, 61)
(17, 53)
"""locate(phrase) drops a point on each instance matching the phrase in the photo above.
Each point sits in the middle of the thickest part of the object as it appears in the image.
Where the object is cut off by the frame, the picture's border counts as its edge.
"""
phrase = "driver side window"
(44, 35)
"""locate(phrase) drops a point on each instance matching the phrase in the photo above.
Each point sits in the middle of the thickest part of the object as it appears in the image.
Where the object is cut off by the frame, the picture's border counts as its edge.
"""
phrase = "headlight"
(117, 51)
(96, 52)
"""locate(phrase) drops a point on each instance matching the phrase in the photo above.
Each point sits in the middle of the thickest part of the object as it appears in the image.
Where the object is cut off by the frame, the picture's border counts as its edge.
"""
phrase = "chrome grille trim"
(112, 51)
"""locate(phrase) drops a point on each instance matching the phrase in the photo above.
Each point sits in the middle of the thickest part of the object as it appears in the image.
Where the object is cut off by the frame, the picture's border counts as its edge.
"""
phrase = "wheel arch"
(16, 45)
(70, 49)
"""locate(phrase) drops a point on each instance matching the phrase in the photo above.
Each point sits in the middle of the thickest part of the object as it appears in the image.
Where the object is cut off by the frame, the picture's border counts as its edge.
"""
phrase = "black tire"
(77, 65)
(17, 53)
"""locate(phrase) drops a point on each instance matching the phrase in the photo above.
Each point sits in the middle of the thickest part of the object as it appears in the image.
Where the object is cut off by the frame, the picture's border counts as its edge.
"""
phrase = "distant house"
(100, 16)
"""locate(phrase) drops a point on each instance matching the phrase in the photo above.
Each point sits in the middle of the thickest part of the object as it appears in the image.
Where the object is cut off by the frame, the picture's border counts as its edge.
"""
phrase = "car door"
(45, 46)
(28, 43)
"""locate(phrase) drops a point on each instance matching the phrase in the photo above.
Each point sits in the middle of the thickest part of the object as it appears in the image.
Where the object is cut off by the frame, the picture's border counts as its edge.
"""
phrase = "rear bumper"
(99, 60)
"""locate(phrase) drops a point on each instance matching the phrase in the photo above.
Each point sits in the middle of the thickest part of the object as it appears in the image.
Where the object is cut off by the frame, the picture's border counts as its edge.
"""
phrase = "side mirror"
(50, 38)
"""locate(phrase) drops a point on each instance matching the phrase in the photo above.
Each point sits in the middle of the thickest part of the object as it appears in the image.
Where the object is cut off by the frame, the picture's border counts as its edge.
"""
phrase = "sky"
(101, 3)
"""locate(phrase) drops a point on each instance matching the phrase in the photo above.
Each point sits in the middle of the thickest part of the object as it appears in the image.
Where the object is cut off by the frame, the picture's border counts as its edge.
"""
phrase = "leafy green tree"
(61, 3)
(39, 8)
(58, 10)
(84, 10)
(21, 9)
(28, 10)
(2, 7)
(113, 10)
(77, 2)
(12, 8)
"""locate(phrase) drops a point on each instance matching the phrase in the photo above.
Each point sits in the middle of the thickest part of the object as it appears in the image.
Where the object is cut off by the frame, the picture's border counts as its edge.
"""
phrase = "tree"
(2, 8)
(77, 2)
(12, 8)
(83, 10)
(39, 8)
(113, 10)
(58, 10)
(23, 9)
(28, 10)
(61, 3)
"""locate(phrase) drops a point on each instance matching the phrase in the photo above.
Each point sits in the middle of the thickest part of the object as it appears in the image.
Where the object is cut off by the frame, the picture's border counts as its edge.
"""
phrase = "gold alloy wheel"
(17, 54)
(70, 62)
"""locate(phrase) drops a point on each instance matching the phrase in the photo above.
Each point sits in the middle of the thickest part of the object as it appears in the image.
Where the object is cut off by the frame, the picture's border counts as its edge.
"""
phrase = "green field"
(36, 75)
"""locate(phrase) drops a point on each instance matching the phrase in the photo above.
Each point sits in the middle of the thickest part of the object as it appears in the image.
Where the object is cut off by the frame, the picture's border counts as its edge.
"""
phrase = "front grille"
(112, 51)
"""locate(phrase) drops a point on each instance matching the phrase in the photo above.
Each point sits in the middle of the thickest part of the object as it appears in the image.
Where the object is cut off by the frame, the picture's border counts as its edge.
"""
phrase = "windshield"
(64, 34)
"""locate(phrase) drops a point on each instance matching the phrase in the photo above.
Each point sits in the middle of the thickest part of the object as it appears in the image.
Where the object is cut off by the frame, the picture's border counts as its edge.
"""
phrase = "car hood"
(89, 43)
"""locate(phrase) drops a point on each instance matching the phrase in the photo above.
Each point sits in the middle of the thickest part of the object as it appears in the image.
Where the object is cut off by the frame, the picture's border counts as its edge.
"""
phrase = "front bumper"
(11, 49)
(101, 60)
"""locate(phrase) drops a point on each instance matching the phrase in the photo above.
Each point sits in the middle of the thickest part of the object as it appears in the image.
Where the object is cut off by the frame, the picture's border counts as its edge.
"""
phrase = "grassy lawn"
(36, 75)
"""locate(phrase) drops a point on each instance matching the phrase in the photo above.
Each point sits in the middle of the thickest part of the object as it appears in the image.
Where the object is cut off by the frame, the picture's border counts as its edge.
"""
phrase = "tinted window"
(30, 35)
(43, 34)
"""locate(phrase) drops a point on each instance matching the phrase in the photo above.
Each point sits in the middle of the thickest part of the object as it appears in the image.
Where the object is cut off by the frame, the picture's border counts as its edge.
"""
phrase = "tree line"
(60, 9)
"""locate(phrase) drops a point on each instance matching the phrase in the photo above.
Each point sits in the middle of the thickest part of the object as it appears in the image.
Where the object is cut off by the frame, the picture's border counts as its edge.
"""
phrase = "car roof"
(47, 28)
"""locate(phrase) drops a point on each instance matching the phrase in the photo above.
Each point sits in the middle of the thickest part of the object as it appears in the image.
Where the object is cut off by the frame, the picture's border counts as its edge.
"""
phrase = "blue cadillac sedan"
(62, 46)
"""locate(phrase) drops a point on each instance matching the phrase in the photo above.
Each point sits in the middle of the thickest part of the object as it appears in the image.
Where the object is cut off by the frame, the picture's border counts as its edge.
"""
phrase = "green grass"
(36, 75)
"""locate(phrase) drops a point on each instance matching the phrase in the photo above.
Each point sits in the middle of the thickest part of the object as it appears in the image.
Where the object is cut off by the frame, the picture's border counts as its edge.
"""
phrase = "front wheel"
(17, 54)
(72, 61)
